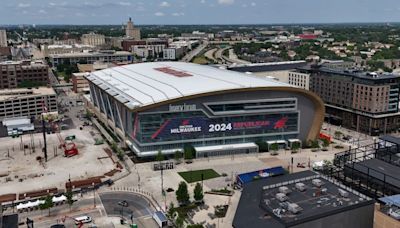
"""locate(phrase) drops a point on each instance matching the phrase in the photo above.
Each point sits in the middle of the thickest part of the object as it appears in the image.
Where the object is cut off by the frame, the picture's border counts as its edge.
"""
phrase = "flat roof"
(352, 73)
(380, 170)
(7, 94)
(143, 84)
(391, 200)
(258, 201)
(268, 67)
(90, 54)
(391, 139)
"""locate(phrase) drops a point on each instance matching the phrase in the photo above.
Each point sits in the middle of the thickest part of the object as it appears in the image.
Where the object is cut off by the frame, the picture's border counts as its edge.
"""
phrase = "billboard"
(203, 125)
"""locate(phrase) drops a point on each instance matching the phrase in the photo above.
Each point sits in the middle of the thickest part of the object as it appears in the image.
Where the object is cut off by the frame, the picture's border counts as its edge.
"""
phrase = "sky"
(197, 11)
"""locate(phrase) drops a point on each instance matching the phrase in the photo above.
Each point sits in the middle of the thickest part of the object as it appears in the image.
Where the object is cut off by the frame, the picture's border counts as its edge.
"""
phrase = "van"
(83, 219)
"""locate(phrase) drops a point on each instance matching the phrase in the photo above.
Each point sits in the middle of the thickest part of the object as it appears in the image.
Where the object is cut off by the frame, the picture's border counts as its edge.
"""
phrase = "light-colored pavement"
(210, 54)
(235, 59)
(189, 56)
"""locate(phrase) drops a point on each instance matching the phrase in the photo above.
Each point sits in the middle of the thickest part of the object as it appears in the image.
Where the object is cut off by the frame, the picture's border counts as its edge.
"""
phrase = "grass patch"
(200, 60)
(195, 175)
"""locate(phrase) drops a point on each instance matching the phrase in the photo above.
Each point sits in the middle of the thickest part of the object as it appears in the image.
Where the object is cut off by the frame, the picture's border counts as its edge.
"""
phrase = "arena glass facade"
(211, 119)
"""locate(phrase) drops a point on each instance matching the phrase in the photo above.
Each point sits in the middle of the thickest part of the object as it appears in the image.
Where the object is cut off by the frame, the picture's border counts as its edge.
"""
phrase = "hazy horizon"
(197, 12)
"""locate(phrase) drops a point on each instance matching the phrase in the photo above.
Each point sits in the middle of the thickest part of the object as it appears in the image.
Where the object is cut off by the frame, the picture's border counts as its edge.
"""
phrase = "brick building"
(14, 74)
(365, 102)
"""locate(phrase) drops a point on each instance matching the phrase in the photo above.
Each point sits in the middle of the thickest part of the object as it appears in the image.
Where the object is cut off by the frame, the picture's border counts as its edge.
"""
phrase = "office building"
(302, 200)
(93, 39)
(27, 102)
(3, 38)
(106, 56)
(163, 106)
(174, 53)
(131, 31)
(281, 71)
(15, 74)
(362, 101)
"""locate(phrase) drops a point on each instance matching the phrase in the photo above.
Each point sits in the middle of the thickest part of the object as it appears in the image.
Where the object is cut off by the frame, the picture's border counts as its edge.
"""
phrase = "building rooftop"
(262, 205)
(89, 54)
(265, 67)
(353, 73)
(143, 84)
(9, 94)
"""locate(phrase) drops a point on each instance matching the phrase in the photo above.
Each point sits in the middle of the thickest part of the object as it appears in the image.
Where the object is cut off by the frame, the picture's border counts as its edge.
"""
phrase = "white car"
(83, 219)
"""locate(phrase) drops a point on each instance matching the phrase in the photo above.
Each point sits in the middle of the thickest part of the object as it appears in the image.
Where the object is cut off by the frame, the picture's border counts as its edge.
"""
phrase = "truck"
(160, 219)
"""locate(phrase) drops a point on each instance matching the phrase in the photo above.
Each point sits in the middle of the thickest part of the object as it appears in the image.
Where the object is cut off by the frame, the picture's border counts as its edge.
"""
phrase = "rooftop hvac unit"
(294, 208)
(281, 197)
(317, 182)
(300, 186)
(343, 193)
(284, 190)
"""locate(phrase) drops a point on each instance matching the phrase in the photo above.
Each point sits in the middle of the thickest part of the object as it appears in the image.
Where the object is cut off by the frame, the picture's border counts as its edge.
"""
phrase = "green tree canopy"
(198, 192)
(182, 194)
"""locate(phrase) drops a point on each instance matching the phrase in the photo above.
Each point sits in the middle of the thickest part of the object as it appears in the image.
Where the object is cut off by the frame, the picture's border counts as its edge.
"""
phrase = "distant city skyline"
(197, 11)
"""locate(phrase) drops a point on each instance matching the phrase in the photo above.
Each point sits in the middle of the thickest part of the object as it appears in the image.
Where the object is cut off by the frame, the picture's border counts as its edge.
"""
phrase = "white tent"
(59, 199)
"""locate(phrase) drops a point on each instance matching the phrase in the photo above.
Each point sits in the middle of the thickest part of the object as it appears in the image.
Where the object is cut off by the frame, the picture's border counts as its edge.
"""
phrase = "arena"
(163, 106)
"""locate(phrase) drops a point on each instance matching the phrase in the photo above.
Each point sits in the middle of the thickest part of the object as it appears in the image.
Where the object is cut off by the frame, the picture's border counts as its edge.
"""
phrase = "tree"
(189, 152)
(160, 157)
(274, 148)
(198, 192)
(171, 210)
(178, 156)
(179, 222)
(48, 203)
(182, 194)
(295, 147)
(262, 146)
(313, 144)
(325, 143)
(70, 201)
(338, 134)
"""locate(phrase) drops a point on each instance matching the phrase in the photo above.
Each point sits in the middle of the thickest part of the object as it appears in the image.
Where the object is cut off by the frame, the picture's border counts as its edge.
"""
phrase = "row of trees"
(182, 194)
(48, 201)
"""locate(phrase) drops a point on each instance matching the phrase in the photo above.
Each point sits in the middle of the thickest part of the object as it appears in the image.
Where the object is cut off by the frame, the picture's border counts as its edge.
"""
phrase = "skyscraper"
(3, 38)
(131, 31)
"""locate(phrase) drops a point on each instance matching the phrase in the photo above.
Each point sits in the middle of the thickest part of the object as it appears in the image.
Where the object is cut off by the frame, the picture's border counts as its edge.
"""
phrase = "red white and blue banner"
(202, 125)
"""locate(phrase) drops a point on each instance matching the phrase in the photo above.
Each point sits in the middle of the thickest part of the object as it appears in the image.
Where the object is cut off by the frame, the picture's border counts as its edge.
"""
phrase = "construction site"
(72, 156)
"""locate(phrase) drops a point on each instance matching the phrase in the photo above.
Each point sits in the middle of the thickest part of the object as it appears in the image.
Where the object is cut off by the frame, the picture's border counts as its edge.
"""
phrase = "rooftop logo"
(173, 72)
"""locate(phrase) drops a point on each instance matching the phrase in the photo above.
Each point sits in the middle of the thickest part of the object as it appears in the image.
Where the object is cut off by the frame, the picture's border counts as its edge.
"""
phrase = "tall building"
(93, 39)
(131, 31)
(365, 102)
(3, 38)
(14, 74)
(163, 106)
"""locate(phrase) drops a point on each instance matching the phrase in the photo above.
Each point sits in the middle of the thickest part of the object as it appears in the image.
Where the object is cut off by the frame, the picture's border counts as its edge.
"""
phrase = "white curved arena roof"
(143, 84)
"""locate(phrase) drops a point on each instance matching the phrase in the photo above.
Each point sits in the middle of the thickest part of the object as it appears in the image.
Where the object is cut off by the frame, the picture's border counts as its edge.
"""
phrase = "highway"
(189, 56)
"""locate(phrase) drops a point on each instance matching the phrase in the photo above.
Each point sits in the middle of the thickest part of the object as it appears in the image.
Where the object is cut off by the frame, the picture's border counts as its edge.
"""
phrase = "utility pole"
(44, 138)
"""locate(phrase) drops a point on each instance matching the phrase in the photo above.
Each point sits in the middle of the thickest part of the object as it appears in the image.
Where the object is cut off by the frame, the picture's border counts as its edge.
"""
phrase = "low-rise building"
(281, 71)
(107, 56)
(79, 83)
(27, 102)
(173, 53)
(301, 200)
